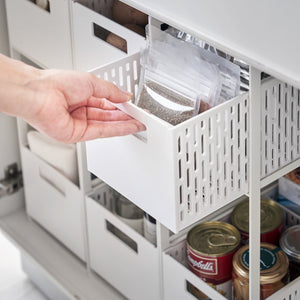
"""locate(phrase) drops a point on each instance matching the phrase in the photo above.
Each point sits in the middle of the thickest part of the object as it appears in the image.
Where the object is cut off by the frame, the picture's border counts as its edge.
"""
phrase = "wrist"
(17, 72)
(29, 73)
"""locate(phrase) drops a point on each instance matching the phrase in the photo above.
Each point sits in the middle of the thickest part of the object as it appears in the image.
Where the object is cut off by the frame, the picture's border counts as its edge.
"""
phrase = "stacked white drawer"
(177, 273)
(130, 264)
(42, 35)
(90, 50)
(52, 199)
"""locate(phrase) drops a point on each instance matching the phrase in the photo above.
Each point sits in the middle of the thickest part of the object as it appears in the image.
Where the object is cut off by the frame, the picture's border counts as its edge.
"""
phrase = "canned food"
(274, 274)
(128, 212)
(150, 228)
(272, 221)
(210, 249)
(290, 245)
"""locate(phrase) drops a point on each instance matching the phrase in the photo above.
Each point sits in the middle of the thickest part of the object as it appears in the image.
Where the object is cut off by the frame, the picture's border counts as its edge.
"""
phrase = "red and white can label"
(202, 265)
(215, 270)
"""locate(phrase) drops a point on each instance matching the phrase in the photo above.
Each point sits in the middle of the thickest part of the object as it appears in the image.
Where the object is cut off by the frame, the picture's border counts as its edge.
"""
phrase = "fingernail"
(142, 127)
(128, 94)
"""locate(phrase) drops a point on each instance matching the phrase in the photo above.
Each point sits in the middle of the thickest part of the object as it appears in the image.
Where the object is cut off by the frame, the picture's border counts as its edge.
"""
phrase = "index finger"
(108, 90)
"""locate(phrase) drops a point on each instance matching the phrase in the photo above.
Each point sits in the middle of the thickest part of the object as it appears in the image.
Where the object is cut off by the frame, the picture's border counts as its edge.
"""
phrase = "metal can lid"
(213, 238)
(274, 263)
(290, 243)
(271, 215)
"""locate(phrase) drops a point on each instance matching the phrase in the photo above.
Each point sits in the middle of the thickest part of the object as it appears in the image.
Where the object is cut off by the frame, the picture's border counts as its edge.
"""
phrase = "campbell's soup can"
(210, 249)
(271, 224)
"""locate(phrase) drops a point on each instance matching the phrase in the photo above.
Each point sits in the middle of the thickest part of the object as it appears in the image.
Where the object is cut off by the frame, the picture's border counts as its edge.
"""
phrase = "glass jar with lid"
(290, 245)
(274, 272)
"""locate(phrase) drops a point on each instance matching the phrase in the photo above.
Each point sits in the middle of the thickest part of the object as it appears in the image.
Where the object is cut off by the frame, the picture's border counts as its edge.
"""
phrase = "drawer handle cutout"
(110, 37)
(142, 136)
(43, 4)
(195, 291)
(51, 183)
(122, 236)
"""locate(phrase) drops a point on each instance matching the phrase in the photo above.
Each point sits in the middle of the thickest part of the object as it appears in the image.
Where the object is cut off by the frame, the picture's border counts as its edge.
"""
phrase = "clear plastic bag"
(230, 73)
(175, 79)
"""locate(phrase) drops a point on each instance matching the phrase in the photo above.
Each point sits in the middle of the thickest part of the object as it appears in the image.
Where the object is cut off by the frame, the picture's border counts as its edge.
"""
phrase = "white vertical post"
(254, 183)
(162, 241)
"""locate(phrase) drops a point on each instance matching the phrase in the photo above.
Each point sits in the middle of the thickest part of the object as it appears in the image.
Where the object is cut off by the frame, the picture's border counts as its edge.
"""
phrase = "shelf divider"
(254, 183)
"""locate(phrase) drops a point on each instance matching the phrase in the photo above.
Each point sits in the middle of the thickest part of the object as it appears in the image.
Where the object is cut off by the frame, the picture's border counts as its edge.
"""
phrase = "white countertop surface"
(264, 33)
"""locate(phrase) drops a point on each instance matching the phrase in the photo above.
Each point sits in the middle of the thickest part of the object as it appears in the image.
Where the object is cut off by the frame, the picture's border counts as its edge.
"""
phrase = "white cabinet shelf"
(265, 37)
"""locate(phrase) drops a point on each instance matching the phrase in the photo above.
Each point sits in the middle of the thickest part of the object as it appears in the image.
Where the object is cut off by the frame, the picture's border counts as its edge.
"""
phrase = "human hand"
(72, 106)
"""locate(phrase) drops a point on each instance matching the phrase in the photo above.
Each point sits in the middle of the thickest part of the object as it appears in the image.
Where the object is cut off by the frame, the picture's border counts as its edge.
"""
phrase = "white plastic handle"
(143, 116)
(50, 182)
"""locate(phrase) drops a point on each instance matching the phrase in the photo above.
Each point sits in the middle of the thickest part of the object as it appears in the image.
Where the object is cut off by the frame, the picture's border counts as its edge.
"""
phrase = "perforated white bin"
(118, 253)
(280, 125)
(90, 49)
(177, 274)
(41, 35)
(179, 173)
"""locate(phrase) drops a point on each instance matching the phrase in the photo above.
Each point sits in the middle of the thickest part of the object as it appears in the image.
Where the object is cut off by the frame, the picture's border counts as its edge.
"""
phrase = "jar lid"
(271, 215)
(274, 263)
(290, 242)
(125, 208)
(213, 238)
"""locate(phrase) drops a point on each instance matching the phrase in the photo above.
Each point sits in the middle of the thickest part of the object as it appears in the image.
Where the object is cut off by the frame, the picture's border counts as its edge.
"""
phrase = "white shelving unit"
(62, 38)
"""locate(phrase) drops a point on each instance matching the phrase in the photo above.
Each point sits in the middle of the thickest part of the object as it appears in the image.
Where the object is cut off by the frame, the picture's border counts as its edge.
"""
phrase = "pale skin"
(69, 106)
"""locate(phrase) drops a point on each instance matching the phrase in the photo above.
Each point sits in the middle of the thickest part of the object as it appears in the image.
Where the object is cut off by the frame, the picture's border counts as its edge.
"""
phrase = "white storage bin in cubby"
(176, 274)
(179, 174)
(90, 50)
(41, 35)
(280, 125)
(52, 199)
(131, 266)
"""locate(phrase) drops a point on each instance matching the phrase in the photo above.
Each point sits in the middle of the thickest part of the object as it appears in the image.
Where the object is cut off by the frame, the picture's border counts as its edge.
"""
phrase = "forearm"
(15, 95)
(15, 99)
(15, 71)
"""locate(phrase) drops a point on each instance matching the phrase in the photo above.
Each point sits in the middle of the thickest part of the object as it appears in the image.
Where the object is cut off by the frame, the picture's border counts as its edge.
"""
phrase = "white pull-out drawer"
(54, 202)
(120, 254)
(89, 49)
(179, 174)
(42, 35)
(177, 275)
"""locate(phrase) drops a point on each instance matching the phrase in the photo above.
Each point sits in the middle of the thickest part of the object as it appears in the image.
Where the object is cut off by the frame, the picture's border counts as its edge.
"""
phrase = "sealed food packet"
(231, 73)
(162, 101)
(175, 79)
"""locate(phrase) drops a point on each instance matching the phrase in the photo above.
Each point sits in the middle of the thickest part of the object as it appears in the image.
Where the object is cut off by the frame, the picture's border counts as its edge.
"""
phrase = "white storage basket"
(90, 50)
(176, 272)
(280, 130)
(43, 36)
(179, 174)
(54, 202)
(131, 266)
